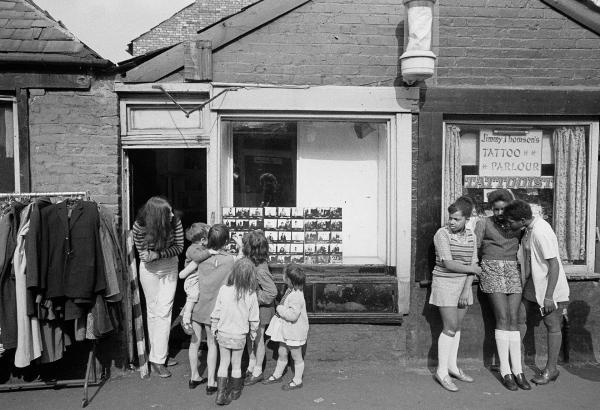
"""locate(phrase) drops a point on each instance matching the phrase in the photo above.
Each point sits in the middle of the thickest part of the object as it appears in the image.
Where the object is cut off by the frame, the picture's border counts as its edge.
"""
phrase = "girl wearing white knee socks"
(455, 267)
(501, 281)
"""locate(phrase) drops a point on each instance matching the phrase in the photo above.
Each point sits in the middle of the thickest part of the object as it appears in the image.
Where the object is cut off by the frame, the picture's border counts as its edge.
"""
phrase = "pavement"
(329, 385)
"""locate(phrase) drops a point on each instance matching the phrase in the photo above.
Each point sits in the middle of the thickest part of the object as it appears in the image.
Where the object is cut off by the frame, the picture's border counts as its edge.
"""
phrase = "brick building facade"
(184, 24)
(497, 61)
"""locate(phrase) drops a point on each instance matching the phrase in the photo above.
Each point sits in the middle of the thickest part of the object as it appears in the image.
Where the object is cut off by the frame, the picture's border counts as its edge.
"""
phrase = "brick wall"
(74, 141)
(334, 42)
(185, 23)
(515, 43)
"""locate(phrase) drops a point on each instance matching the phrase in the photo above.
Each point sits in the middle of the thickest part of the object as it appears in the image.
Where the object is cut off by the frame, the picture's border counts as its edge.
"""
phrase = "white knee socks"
(452, 365)
(502, 344)
(515, 352)
(444, 348)
(279, 368)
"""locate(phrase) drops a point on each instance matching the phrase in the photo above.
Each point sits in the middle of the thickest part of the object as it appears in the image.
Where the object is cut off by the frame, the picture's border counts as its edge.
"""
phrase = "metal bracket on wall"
(196, 108)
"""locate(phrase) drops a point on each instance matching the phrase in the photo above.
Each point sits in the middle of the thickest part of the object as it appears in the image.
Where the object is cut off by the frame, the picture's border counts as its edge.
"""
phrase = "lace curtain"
(570, 191)
(453, 186)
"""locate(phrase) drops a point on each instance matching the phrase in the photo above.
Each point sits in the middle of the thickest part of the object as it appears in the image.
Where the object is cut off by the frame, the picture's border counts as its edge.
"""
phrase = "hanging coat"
(72, 263)
(29, 340)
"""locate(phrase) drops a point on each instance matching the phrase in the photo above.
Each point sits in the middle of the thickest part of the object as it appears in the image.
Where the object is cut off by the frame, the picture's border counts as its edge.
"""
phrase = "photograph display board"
(301, 235)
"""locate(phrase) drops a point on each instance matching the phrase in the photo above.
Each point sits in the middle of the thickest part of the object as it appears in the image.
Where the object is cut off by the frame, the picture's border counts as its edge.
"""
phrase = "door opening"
(177, 174)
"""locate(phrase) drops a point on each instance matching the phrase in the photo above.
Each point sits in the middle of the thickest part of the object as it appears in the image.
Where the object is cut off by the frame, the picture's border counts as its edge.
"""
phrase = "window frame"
(16, 141)
(593, 141)
(387, 145)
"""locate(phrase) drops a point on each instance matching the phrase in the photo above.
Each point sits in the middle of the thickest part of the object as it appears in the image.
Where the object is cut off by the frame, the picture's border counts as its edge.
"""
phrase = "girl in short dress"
(455, 267)
(501, 281)
(234, 317)
(290, 328)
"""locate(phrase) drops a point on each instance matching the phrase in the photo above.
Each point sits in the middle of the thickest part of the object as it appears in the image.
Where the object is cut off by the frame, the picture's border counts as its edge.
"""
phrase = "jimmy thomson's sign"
(510, 153)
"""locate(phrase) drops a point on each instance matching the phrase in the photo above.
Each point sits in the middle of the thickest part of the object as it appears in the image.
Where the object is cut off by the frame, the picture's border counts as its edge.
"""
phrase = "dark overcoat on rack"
(71, 255)
(9, 226)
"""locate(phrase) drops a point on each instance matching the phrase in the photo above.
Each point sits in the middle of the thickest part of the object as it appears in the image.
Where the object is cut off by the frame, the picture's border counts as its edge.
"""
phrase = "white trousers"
(159, 281)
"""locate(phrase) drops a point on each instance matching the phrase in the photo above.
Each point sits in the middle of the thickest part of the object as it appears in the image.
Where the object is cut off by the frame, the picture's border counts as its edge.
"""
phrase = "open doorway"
(179, 174)
(176, 173)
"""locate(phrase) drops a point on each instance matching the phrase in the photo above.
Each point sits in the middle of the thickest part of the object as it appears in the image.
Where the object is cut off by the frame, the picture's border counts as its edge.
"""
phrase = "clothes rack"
(91, 362)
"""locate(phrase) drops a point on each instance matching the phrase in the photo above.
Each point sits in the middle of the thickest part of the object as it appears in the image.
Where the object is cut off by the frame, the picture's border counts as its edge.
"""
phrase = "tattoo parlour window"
(551, 166)
(332, 174)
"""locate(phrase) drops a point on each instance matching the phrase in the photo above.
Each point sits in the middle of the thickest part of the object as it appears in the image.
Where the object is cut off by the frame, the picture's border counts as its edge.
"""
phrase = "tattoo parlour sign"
(510, 153)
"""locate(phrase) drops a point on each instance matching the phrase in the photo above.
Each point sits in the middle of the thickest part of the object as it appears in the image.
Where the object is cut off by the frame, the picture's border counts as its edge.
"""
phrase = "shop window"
(318, 166)
(551, 166)
(8, 147)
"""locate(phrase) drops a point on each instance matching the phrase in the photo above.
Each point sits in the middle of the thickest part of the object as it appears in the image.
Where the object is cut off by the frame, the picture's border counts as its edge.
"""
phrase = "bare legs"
(211, 357)
(256, 352)
(193, 351)
(282, 360)
(233, 357)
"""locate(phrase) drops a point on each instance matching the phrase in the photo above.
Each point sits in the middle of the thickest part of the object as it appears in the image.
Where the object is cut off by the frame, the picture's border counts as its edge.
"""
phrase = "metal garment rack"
(91, 365)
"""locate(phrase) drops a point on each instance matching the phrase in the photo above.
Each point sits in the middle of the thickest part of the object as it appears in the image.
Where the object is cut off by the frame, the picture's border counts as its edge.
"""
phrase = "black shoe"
(222, 396)
(509, 382)
(195, 383)
(235, 389)
(210, 390)
(522, 381)
(545, 377)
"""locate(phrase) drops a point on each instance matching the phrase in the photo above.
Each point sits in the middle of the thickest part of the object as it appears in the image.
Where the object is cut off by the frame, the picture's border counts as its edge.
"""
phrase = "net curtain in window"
(570, 198)
(453, 184)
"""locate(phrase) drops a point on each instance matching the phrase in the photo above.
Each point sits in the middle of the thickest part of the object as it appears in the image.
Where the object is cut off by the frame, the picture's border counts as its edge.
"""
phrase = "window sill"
(573, 277)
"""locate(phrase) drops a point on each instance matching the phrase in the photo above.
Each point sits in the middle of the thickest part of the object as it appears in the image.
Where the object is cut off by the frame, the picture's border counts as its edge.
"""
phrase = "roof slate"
(28, 33)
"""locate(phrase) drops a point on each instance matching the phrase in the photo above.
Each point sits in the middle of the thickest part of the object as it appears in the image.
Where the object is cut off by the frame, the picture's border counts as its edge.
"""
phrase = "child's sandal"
(272, 380)
(291, 386)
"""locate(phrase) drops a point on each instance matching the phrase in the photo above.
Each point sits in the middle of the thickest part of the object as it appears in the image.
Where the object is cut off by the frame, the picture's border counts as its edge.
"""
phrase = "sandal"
(291, 386)
(272, 379)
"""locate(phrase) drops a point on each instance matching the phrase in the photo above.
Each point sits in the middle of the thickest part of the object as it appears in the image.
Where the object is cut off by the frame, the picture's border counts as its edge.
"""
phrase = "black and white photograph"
(270, 224)
(228, 212)
(372, 142)
(323, 236)
(270, 212)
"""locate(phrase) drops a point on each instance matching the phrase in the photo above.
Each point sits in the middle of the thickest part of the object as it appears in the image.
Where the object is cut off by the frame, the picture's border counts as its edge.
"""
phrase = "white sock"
(452, 359)
(279, 368)
(502, 344)
(515, 351)
(444, 347)
(298, 372)
(251, 365)
(236, 374)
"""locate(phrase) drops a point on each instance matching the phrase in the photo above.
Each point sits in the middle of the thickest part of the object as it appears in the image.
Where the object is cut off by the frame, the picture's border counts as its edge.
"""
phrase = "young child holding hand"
(234, 316)
(290, 327)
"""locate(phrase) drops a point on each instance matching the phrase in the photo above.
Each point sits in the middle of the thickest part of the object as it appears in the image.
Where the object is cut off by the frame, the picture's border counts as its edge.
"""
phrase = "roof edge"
(586, 15)
(53, 59)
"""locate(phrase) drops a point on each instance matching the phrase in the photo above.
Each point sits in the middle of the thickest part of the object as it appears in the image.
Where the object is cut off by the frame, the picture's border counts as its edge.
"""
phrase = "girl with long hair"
(256, 249)
(234, 317)
(158, 238)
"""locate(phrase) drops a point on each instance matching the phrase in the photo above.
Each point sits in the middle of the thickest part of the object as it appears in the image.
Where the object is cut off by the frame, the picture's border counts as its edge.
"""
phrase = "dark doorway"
(177, 174)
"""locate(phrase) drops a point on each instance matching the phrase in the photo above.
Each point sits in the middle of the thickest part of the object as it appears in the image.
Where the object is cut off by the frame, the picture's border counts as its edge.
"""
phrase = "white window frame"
(384, 202)
(16, 152)
(593, 142)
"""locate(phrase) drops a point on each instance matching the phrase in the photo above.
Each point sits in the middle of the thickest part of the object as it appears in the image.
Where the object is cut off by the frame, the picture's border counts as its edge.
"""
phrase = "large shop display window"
(551, 166)
(331, 173)
(8, 147)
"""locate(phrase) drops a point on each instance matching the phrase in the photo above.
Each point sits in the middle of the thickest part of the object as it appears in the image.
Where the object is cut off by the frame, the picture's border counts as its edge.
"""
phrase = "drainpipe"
(418, 61)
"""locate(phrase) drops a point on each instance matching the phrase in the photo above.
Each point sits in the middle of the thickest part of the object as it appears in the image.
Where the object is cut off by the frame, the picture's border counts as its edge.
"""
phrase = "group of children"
(231, 298)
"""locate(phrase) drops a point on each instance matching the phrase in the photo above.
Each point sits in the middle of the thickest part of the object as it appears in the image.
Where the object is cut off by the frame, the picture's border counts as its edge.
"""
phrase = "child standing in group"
(197, 233)
(234, 317)
(290, 327)
(256, 248)
(451, 290)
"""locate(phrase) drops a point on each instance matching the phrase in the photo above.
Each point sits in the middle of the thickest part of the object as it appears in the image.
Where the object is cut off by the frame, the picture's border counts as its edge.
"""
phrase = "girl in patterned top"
(158, 238)
(501, 281)
(455, 265)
